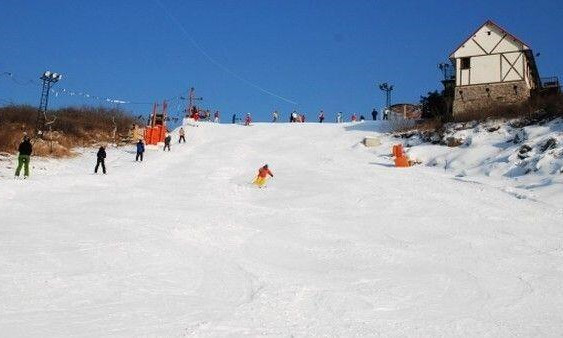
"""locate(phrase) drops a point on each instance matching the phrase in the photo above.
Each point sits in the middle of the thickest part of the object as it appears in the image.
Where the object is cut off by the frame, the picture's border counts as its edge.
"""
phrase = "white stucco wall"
(485, 69)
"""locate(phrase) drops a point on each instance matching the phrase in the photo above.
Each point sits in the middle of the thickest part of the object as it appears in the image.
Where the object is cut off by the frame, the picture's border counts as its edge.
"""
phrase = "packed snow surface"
(340, 243)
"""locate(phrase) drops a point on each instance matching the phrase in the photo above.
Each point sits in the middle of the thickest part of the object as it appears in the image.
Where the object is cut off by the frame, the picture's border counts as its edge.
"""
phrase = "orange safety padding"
(155, 134)
(402, 161)
(398, 150)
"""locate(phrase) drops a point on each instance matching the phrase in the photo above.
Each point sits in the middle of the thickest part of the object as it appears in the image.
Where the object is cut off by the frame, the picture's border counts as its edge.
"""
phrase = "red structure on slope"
(155, 131)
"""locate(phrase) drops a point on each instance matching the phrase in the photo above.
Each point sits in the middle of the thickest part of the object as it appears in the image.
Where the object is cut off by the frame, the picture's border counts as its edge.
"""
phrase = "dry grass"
(424, 125)
(73, 127)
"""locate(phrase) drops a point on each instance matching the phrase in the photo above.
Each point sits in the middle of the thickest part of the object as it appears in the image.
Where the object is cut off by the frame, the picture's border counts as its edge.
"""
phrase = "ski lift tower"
(191, 101)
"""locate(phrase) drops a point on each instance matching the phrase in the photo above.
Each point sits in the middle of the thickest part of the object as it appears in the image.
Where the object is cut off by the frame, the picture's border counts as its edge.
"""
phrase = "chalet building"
(493, 66)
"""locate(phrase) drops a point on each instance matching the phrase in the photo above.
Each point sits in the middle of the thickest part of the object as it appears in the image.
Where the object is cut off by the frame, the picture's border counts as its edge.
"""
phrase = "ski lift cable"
(215, 62)
(77, 93)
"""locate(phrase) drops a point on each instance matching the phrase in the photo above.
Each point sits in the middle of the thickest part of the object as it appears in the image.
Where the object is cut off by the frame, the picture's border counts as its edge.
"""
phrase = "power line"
(215, 62)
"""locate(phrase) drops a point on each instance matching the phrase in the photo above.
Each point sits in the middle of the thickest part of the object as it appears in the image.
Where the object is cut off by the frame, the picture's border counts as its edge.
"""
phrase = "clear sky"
(320, 54)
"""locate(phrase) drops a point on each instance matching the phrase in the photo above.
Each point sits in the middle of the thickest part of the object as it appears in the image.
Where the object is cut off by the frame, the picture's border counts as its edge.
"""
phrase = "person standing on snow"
(234, 118)
(362, 118)
(216, 117)
(339, 117)
(247, 119)
(262, 176)
(275, 116)
(293, 117)
(353, 118)
(182, 136)
(374, 114)
(167, 140)
(321, 117)
(25, 149)
(101, 160)
(140, 151)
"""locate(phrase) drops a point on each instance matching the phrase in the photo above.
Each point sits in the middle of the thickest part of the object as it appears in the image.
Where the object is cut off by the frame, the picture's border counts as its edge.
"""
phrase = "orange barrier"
(398, 150)
(401, 159)
(402, 162)
(155, 132)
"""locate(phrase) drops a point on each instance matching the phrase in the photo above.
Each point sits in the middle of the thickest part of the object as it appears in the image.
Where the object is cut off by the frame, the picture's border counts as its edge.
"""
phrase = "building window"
(465, 63)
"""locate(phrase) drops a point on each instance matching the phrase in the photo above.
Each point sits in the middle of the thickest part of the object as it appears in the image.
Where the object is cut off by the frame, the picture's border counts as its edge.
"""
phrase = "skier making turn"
(262, 176)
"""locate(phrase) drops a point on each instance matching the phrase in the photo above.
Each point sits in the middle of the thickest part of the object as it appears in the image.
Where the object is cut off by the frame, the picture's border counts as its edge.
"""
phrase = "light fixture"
(49, 79)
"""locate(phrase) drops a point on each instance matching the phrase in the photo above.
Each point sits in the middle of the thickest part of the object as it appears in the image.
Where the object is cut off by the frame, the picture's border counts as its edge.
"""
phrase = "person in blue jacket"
(140, 151)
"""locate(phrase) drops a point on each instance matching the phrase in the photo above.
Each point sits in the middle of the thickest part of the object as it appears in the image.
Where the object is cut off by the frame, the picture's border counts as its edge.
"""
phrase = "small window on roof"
(465, 63)
(489, 33)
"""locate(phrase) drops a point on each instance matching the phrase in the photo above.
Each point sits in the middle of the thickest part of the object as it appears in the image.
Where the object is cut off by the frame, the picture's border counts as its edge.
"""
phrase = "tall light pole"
(445, 68)
(448, 71)
(387, 88)
(49, 79)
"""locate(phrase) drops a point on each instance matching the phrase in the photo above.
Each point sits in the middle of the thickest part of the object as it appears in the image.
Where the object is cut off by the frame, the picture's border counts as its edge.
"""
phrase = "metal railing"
(550, 82)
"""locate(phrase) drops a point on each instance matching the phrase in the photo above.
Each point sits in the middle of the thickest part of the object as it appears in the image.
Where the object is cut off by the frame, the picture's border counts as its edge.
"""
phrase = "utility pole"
(191, 100)
(49, 79)
(387, 88)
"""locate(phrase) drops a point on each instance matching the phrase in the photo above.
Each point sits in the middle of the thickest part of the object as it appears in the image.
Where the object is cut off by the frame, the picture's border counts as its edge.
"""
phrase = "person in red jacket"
(262, 176)
(247, 119)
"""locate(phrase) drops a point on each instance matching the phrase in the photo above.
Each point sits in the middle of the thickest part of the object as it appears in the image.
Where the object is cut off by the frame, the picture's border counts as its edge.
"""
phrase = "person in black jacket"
(101, 160)
(167, 140)
(25, 150)
(374, 114)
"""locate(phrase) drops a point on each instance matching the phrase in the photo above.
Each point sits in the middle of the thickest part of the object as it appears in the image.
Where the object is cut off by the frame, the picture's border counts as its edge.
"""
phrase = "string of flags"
(177, 101)
(69, 92)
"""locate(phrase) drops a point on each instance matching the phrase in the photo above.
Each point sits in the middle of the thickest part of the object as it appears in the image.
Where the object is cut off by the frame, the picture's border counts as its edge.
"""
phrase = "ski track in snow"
(340, 243)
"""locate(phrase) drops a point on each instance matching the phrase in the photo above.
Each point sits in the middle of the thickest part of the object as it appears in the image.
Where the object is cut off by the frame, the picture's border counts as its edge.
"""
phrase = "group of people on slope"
(246, 121)
(385, 115)
(204, 115)
(101, 155)
(26, 148)
(294, 117)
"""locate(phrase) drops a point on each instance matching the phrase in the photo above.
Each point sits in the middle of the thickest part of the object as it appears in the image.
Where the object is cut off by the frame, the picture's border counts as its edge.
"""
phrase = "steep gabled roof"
(492, 23)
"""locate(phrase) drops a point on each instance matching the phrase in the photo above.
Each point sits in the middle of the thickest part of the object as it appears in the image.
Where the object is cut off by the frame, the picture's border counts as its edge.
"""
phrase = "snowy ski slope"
(340, 243)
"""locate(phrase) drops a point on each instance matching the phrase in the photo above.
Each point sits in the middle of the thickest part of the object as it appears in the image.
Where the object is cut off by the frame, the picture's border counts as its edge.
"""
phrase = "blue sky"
(321, 54)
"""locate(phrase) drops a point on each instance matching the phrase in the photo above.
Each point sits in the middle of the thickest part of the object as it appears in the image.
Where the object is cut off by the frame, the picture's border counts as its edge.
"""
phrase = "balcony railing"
(550, 82)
